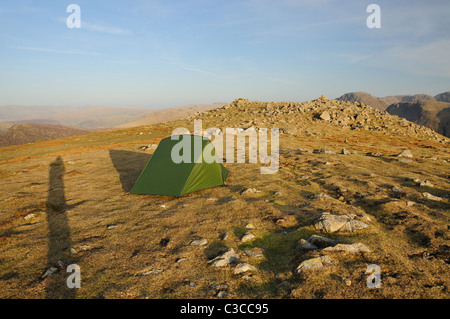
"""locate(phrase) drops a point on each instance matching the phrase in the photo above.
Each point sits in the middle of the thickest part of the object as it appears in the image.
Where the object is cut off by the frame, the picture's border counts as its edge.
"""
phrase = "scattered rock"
(223, 236)
(331, 223)
(180, 259)
(426, 184)
(85, 247)
(321, 195)
(325, 116)
(250, 226)
(247, 237)
(255, 252)
(243, 267)
(396, 189)
(109, 227)
(149, 272)
(374, 154)
(405, 153)
(304, 244)
(431, 197)
(225, 259)
(250, 191)
(345, 152)
(313, 264)
(222, 294)
(199, 242)
(49, 272)
(349, 248)
(29, 217)
(324, 151)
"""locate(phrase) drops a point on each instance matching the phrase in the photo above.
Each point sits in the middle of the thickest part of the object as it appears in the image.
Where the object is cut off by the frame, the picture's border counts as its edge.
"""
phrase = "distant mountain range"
(21, 124)
(423, 109)
(91, 117)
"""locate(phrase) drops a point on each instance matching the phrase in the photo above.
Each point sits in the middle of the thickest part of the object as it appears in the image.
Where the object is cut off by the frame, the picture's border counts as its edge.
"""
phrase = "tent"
(164, 176)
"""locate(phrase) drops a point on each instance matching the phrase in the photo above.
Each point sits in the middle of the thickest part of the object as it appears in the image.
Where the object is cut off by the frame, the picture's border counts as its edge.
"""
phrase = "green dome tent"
(165, 174)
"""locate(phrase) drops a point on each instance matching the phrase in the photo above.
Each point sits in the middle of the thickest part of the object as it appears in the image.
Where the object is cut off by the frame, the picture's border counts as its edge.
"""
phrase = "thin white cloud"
(202, 71)
(49, 50)
(104, 29)
(100, 28)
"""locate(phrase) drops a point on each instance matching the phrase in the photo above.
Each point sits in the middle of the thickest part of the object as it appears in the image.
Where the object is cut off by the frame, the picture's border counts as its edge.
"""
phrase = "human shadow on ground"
(60, 243)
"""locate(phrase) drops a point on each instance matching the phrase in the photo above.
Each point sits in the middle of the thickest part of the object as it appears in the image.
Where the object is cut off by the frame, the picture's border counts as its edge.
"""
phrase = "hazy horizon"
(159, 54)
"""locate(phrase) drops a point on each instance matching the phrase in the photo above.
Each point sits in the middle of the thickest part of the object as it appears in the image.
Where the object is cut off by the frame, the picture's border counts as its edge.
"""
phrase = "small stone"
(431, 197)
(85, 247)
(72, 250)
(247, 237)
(321, 195)
(199, 242)
(313, 264)
(151, 272)
(250, 191)
(49, 272)
(304, 244)
(222, 294)
(345, 152)
(112, 227)
(242, 268)
(250, 226)
(349, 248)
(255, 252)
(396, 189)
(331, 223)
(405, 153)
(426, 184)
(225, 259)
(180, 259)
(29, 217)
(325, 116)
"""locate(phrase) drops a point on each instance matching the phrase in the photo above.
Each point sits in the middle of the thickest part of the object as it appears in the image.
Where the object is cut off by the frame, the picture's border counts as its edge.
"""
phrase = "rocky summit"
(357, 190)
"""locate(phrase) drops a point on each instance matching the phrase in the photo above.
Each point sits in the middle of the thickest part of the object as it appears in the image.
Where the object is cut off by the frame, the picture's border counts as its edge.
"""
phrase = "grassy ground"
(135, 246)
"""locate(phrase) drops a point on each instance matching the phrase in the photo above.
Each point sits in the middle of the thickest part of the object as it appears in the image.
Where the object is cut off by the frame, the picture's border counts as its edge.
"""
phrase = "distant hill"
(407, 98)
(443, 97)
(34, 132)
(4, 127)
(432, 114)
(366, 98)
(171, 114)
(422, 109)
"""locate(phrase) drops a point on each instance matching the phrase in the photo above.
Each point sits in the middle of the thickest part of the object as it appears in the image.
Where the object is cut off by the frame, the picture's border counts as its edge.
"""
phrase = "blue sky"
(164, 53)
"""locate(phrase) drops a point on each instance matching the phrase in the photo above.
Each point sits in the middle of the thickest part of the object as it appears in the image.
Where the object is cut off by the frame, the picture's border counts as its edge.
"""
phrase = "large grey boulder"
(331, 223)
(225, 259)
(313, 264)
